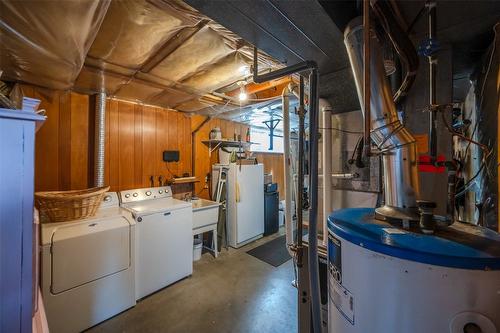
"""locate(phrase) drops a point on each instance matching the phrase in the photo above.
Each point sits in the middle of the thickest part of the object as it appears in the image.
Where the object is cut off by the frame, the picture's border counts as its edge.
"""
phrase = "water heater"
(385, 279)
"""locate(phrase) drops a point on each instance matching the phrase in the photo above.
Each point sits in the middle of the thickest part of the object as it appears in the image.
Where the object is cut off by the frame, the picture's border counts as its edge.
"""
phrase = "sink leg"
(214, 241)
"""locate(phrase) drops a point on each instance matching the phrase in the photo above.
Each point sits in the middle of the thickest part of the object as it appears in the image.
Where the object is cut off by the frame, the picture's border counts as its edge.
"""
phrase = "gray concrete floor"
(233, 293)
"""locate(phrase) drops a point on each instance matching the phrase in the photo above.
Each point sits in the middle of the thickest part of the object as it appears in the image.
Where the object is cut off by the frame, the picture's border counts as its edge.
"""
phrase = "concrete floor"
(233, 293)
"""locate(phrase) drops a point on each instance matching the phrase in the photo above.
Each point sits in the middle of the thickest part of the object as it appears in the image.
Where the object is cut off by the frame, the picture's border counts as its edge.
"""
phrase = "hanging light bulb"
(243, 95)
(244, 70)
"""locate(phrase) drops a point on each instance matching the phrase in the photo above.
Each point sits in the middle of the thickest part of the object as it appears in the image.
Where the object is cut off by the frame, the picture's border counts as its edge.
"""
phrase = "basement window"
(261, 136)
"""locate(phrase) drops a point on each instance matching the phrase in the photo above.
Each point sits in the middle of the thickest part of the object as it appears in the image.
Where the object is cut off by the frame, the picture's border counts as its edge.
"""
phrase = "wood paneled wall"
(273, 163)
(61, 153)
(136, 136)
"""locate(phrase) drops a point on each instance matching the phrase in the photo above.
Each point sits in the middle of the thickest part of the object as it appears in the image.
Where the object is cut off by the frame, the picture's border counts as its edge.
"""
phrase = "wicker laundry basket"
(61, 206)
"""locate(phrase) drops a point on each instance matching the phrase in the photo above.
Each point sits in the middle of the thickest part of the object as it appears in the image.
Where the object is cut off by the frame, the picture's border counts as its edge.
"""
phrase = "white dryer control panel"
(145, 194)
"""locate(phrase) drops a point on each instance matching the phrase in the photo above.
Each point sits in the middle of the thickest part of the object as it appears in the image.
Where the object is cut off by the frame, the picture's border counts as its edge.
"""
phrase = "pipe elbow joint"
(312, 64)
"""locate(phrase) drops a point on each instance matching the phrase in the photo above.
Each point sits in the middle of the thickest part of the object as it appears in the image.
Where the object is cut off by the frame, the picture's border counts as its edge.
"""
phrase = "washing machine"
(88, 268)
(385, 279)
(164, 237)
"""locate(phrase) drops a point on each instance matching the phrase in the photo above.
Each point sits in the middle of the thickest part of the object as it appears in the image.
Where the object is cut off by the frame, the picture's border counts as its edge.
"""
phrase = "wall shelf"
(184, 180)
(214, 144)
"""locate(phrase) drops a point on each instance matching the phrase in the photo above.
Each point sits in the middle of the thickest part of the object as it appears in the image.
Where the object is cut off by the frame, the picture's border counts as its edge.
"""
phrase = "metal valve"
(427, 223)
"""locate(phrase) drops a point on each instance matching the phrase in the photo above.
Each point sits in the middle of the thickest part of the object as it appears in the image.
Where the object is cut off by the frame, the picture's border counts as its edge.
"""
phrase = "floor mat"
(273, 252)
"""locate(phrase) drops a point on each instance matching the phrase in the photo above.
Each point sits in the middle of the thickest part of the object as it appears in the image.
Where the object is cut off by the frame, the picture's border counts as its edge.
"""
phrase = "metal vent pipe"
(401, 181)
(99, 141)
(327, 155)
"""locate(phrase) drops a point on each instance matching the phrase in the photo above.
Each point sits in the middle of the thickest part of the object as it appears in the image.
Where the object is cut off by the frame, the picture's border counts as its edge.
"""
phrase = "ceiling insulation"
(157, 52)
(45, 42)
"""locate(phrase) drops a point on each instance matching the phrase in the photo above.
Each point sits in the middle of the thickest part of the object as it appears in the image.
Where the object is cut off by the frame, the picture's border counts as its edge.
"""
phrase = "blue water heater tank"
(384, 279)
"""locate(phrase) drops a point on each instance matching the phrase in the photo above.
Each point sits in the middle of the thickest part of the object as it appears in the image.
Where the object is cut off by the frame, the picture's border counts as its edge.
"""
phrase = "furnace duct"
(100, 128)
(395, 143)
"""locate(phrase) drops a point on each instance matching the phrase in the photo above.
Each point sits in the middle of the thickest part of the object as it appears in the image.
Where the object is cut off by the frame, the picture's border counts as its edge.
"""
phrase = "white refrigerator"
(245, 201)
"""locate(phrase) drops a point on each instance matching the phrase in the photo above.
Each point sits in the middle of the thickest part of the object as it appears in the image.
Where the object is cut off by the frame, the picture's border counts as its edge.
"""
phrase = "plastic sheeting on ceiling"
(45, 42)
(158, 52)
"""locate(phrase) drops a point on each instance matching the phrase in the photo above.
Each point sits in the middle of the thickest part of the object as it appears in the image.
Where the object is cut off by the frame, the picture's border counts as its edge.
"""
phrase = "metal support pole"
(432, 84)
(327, 150)
(271, 138)
(313, 212)
(99, 143)
(366, 78)
(300, 181)
(271, 125)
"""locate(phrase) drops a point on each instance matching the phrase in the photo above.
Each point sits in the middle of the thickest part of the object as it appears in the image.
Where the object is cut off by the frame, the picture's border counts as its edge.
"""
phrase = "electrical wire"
(482, 87)
(223, 107)
(340, 130)
(468, 185)
(200, 191)
(415, 20)
(355, 149)
(170, 172)
(263, 99)
(460, 135)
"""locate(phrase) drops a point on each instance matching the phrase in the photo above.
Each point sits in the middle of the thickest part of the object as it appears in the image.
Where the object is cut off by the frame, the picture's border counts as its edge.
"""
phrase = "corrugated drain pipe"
(99, 141)
(313, 174)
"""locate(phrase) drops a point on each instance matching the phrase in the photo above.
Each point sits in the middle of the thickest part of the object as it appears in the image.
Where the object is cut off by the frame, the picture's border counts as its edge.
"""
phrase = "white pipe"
(326, 136)
(345, 175)
(285, 98)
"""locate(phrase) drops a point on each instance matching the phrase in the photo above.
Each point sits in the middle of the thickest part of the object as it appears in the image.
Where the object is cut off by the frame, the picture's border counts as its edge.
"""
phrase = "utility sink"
(205, 213)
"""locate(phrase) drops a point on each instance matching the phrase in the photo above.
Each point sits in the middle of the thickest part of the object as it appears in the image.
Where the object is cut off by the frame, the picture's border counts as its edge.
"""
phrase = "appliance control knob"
(107, 198)
(135, 195)
(127, 195)
(148, 193)
(160, 191)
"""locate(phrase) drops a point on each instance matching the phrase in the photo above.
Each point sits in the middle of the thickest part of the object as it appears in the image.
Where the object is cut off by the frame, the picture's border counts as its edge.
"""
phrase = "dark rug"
(273, 252)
